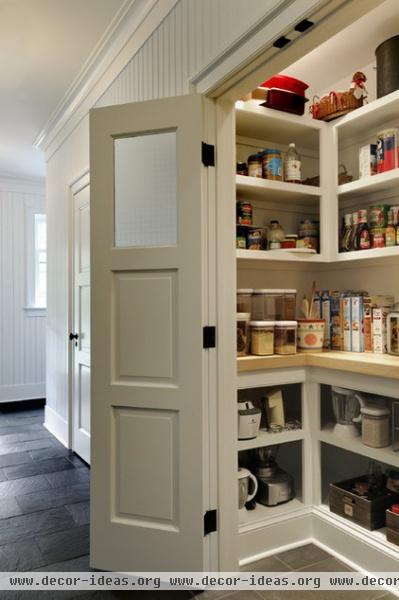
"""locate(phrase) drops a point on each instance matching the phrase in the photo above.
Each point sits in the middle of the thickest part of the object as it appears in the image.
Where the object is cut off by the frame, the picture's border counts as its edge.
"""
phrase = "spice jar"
(285, 337)
(262, 337)
(244, 296)
(375, 426)
(265, 304)
(242, 333)
(255, 165)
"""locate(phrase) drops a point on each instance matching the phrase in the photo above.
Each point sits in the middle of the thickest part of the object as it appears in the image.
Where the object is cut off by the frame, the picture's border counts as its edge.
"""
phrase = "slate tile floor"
(44, 522)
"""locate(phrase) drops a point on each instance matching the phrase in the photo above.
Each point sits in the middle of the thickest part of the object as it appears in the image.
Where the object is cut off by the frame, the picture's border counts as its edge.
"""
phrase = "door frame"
(76, 186)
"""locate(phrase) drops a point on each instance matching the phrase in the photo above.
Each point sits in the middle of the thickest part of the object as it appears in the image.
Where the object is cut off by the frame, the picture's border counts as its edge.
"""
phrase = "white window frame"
(32, 308)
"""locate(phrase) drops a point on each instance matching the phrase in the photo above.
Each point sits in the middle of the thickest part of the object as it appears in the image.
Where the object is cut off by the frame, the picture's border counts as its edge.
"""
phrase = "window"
(40, 261)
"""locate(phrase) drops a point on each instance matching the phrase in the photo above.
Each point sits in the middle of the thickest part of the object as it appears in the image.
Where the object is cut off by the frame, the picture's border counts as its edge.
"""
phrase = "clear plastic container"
(243, 333)
(285, 334)
(262, 337)
(244, 300)
(287, 309)
(265, 303)
(376, 431)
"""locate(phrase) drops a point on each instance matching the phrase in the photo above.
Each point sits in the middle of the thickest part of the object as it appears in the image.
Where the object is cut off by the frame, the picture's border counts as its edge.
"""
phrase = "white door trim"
(77, 184)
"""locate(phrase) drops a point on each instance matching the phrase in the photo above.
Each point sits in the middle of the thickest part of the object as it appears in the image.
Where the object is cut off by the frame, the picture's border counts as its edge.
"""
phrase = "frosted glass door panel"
(145, 190)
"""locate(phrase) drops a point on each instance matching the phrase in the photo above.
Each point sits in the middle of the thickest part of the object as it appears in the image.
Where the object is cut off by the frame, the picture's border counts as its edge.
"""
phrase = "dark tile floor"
(44, 522)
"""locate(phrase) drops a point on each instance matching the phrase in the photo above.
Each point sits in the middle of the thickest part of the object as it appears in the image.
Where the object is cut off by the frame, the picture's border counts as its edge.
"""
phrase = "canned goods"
(244, 213)
(395, 213)
(378, 215)
(241, 241)
(387, 142)
(310, 242)
(289, 241)
(254, 239)
(255, 165)
(272, 165)
(377, 235)
(242, 168)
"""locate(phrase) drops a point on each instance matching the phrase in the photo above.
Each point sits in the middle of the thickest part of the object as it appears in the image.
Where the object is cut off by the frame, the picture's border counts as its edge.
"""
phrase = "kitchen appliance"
(248, 420)
(275, 486)
(393, 333)
(246, 481)
(346, 406)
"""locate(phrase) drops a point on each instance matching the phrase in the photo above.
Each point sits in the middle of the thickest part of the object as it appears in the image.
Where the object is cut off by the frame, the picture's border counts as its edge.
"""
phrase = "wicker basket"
(336, 104)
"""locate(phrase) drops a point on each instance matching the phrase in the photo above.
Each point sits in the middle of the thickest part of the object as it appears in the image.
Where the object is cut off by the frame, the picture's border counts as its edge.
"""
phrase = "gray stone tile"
(21, 421)
(76, 461)
(17, 528)
(70, 477)
(82, 563)
(80, 512)
(26, 446)
(302, 556)
(9, 507)
(325, 566)
(269, 564)
(25, 485)
(15, 438)
(15, 458)
(241, 595)
(64, 545)
(53, 497)
(2, 475)
(21, 428)
(38, 467)
(20, 556)
(52, 452)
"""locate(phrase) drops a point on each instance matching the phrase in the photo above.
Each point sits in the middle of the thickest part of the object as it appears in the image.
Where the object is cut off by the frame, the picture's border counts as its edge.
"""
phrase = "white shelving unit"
(279, 191)
(262, 514)
(384, 455)
(388, 181)
(270, 439)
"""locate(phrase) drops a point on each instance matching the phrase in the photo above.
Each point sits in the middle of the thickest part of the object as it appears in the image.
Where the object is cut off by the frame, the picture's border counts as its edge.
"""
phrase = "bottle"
(292, 165)
(275, 235)
(355, 222)
(363, 240)
(390, 231)
(347, 235)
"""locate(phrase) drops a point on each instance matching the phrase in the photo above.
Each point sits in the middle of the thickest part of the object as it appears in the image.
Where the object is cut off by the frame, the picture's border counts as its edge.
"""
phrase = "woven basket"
(336, 104)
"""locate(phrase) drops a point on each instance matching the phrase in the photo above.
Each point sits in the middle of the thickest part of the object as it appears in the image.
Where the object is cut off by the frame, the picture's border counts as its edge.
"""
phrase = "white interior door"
(150, 388)
(81, 321)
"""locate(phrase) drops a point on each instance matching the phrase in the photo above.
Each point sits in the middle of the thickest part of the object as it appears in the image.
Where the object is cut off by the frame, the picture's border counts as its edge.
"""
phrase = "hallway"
(44, 498)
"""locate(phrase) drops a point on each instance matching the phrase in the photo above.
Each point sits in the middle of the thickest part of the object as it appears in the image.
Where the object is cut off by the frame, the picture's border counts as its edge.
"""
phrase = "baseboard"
(24, 391)
(56, 425)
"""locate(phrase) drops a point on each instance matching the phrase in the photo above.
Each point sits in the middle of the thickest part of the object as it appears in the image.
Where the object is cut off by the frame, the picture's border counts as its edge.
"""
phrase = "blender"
(346, 406)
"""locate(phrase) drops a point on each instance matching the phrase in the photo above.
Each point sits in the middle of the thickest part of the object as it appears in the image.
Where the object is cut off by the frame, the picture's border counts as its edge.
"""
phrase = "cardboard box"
(367, 160)
(326, 315)
(335, 310)
(370, 302)
(346, 319)
(379, 328)
(357, 323)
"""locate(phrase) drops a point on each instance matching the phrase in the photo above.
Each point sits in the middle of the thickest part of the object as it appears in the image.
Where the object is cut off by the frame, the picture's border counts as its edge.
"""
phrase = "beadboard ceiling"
(43, 46)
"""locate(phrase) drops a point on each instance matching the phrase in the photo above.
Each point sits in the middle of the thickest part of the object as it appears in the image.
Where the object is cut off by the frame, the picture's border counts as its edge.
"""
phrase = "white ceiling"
(43, 46)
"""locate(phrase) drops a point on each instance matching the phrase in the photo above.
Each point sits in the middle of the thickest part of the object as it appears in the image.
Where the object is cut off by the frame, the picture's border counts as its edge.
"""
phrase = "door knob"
(74, 336)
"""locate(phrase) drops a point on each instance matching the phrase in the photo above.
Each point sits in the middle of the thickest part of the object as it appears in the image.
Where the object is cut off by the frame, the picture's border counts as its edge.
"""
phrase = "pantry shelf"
(262, 514)
(297, 255)
(374, 183)
(384, 455)
(370, 117)
(373, 253)
(354, 362)
(269, 439)
(258, 122)
(255, 188)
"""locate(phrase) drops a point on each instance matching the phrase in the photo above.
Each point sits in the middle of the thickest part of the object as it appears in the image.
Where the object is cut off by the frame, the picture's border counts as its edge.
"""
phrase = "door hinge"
(210, 521)
(208, 155)
(209, 337)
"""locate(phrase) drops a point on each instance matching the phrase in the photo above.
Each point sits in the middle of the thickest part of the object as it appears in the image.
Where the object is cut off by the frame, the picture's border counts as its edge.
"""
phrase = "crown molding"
(135, 21)
(23, 185)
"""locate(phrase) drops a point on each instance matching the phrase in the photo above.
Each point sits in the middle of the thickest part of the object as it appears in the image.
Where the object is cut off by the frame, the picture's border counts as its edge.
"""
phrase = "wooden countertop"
(380, 365)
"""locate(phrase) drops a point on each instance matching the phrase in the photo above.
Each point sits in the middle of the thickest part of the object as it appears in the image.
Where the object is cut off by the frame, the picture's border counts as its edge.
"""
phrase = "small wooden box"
(368, 513)
(392, 522)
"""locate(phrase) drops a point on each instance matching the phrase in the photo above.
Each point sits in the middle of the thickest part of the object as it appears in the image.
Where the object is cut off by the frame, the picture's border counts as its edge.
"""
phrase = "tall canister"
(387, 55)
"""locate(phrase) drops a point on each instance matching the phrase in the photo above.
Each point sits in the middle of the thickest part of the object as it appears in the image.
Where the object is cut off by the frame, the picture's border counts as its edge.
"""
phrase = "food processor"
(275, 486)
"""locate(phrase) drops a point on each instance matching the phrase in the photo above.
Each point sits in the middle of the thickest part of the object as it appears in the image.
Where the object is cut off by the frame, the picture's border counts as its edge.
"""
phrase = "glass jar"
(262, 338)
(375, 426)
(285, 337)
(265, 304)
(255, 165)
(244, 296)
(242, 333)
(275, 235)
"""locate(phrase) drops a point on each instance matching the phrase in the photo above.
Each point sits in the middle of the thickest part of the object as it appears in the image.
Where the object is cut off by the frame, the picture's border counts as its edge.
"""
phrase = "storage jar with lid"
(285, 337)
(244, 296)
(255, 165)
(286, 306)
(275, 235)
(375, 426)
(265, 303)
(262, 337)
(242, 333)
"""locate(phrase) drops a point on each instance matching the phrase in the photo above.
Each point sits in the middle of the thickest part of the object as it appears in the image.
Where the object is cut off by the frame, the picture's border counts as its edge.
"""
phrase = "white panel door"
(150, 385)
(81, 319)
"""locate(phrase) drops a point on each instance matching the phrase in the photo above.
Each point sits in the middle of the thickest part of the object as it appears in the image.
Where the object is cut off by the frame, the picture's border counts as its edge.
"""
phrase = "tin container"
(289, 241)
(387, 142)
(378, 215)
(377, 235)
(244, 213)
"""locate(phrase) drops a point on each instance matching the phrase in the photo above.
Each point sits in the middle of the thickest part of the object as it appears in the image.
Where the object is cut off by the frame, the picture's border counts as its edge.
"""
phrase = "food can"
(308, 228)
(377, 237)
(310, 242)
(378, 215)
(241, 241)
(255, 165)
(395, 213)
(242, 168)
(289, 241)
(244, 213)
(387, 142)
(272, 165)
(254, 239)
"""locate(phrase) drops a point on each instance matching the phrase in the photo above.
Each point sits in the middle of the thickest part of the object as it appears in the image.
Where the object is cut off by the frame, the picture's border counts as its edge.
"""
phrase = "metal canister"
(377, 235)
(272, 165)
(387, 142)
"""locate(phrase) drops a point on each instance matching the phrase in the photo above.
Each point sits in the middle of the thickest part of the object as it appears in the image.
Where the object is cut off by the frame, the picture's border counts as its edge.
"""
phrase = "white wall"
(22, 337)
(193, 34)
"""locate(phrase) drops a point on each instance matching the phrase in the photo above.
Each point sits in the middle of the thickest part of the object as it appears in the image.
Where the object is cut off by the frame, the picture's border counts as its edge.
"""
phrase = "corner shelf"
(270, 439)
(373, 253)
(373, 183)
(262, 514)
(355, 445)
(279, 255)
(267, 189)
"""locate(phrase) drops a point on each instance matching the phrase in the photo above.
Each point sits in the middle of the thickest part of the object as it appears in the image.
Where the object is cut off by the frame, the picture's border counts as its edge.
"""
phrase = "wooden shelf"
(370, 117)
(262, 514)
(384, 455)
(255, 188)
(269, 439)
(366, 185)
(259, 122)
(380, 365)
